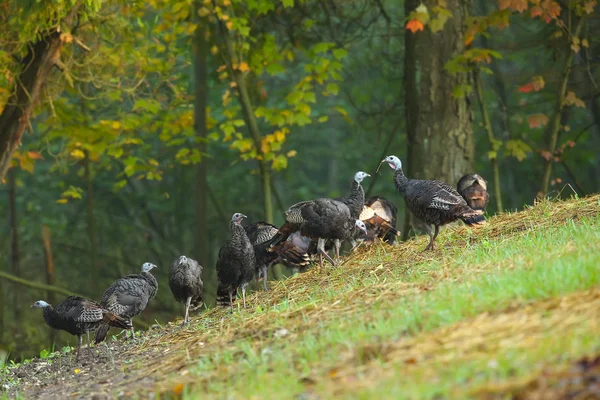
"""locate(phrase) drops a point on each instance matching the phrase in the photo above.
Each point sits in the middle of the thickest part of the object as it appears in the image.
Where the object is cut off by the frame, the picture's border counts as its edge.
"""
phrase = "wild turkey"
(434, 202)
(320, 220)
(185, 281)
(355, 202)
(260, 235)
(128, 297)
(77, 316)
(236, 264)
(473, 188)
(379, 215)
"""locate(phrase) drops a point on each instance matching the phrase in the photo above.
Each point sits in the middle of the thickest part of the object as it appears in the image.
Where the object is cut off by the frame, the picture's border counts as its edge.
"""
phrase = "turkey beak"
(243, 216)
(369, 175)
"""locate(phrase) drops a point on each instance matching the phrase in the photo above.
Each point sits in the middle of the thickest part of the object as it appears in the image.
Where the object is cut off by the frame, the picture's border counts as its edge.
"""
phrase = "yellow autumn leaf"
(214, 50)
(78, 154)
(115, 125)
(291, 153)
(243, 67)
(62, 201)
(229, 25)
(77, 370)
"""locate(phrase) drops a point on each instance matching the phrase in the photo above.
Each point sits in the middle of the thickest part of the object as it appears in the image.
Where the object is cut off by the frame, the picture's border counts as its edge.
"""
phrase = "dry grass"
(167, 358)
(221, 329)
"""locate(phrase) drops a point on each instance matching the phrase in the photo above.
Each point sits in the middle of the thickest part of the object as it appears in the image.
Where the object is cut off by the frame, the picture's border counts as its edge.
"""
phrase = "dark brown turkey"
(77, 316)
(473, 188)
(434, 202)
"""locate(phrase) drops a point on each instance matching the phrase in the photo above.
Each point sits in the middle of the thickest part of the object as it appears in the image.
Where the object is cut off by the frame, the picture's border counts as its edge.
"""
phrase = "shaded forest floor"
(511, 309)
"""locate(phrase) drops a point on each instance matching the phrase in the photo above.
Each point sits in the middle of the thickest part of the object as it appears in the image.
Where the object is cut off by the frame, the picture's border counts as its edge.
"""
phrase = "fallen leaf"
(178, 389)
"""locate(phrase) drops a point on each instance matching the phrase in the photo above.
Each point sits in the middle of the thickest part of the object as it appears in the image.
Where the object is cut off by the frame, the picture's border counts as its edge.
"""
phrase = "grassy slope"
(481, 315)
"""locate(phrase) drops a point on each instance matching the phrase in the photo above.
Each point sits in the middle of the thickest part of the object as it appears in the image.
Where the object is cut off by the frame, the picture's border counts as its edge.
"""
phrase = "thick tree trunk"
(38, 63)
(439, 126)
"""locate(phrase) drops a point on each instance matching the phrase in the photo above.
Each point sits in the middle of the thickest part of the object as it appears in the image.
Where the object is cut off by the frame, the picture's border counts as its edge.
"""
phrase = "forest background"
(131, 131)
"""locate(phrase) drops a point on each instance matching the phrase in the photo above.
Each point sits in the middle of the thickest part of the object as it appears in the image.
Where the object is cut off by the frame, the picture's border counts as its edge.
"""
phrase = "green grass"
(483, 314)
(490, 276)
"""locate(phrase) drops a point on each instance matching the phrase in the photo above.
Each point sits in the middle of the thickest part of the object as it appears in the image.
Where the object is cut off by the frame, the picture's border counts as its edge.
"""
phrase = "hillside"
(509, 309)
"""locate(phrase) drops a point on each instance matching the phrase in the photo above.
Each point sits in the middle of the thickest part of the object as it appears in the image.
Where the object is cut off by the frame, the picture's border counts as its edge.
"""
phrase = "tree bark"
(439, 126)
(554, 126)
(36, 67)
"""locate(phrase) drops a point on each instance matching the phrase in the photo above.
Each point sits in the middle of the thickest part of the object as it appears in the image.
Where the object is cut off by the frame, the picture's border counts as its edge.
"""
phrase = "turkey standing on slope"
(185, 281)
(319, 219)
(473, 188)
(434, 202)
(236, 264)
(355, 202)
(379, 215)
(129, 296)
(260, 235)
(77, 316)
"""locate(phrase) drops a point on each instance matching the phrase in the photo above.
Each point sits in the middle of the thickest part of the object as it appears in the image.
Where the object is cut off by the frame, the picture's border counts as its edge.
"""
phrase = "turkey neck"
(49, 315)
(400, 180)
(356, 200)
(150, 278)
(238, 234)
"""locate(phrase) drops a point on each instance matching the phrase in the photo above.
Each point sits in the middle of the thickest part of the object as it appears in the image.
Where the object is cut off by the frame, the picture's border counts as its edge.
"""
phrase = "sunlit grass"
(507, 272)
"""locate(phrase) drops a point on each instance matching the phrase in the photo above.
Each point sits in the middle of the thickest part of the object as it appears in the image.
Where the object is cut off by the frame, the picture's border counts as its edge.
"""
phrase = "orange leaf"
(537, 120)
(178, 389)
(526, 88)
(35, 155)
(414, 26)
(545, 154)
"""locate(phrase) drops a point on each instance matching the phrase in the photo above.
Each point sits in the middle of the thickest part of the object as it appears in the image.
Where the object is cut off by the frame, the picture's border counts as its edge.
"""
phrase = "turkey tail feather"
(222, 298)
(284, 232)
(110, 320)
(473, 218)
(291, 254)
(101, 333)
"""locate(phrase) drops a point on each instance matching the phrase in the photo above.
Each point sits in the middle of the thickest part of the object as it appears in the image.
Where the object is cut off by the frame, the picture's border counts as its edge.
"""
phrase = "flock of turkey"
(311, 228)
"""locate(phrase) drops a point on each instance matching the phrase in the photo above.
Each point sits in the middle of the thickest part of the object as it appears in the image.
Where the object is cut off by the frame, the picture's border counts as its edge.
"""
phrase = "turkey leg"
(186, 319)
(432, 238)
(244, 295)
(321, 250)
(265, 269)
(79, 341)
(337, 243)
(88, 342)
(231, 299)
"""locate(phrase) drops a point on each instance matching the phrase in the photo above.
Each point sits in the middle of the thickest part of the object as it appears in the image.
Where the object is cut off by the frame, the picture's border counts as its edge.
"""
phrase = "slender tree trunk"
(250, 119)
(491, 140)
(439, 126)
(36, 67)
(91, 222)
(15, 256)
(201, 239)
(553, 130)
(47, 242)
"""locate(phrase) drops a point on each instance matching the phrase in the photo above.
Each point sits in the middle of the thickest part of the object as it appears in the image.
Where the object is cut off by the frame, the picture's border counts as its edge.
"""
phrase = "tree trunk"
(14, 238)
(553, 129)
(200, 65)
(49, 270)
(36, 67)
(439, 126)
(251, 122)
(497, 194)
(91, 223)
